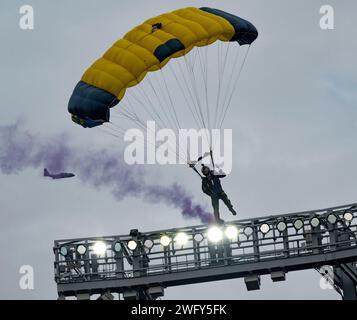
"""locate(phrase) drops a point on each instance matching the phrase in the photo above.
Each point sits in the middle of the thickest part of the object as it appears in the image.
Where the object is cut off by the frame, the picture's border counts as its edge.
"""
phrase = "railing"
(145, 254)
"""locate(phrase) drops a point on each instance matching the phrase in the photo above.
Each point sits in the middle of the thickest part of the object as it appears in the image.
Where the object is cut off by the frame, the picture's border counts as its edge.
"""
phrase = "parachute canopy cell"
(149, 47)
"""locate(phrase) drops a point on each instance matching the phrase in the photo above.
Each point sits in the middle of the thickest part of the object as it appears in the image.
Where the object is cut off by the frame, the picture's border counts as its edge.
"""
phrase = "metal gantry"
(142, 264)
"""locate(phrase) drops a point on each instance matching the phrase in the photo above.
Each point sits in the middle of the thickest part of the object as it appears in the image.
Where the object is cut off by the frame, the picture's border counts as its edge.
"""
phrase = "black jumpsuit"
(211, 185)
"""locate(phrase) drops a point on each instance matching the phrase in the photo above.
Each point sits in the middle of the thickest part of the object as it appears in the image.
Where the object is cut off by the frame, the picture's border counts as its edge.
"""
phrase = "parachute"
(120, 76)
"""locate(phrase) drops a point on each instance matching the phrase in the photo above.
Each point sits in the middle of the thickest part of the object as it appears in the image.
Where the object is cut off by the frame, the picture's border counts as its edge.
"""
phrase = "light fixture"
(281, 226)
(314, 222)
(165, 240)
(298, 224)
(248, 231)
(264, 228)
(231, 232)
(348, 216)
(198, 237)
(63, 251)
(81, 249)
(181, 238)
(331, 218)
(214, 234)
(99, 248)
(148, 243)
(132, 244)
(117, 247)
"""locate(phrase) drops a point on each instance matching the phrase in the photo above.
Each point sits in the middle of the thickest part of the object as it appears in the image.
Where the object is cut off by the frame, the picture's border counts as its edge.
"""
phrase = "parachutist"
(211, 185)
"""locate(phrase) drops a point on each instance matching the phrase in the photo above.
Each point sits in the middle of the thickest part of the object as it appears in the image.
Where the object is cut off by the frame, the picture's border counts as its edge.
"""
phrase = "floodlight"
(132, 244)
(348, 216)
(298, 224)
(198, 237)
(81, 249)
(331, 218)
(99, 248)
(148, 243)
(281, 226)
(63, 251)
(264, 228)
(314, 222)
(231, 232)
(181, 238)
(248, 231)
(117, 247)
(214, 234)
(165, 240)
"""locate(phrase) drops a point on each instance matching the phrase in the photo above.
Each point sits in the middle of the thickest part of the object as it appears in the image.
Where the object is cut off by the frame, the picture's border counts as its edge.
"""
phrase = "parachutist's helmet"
(205, 170)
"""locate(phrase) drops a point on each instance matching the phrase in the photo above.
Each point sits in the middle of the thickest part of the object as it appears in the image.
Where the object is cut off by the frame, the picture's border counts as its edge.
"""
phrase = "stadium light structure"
(63, 251)
(214, 234)
(281, 226)
(132, 244)
(181, 238)
(117, 247)
(348, 216)
(198, 237)
(298, 224)
(81, 249)
(314, 222)
(100, 248)
(248, 231)
(231, 232)
(148, 243)
(141, 264)
(264, 228)
(331, 218)
(165, 240)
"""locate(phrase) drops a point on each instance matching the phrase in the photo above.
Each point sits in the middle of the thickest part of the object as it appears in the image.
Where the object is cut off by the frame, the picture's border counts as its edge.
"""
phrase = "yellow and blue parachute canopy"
(149, 47)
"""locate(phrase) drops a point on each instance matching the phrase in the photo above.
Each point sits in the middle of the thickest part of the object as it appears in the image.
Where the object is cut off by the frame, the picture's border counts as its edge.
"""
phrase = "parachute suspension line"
(149, 102)
(228, 85)
(172, 120)
(140, 138)
(190, 69)
(204, 70)
(131, 117)
(221, 72)
(132, 106)
(102, 129)
(235, 85)
(141, 103)
(118, 132)
(231, 87)
(219, 81)
(188, 103)
(121, 131)
(163, 110)
(193, 101)
(125, 112)
(159, 103)
(191, 94)
(170, 99)
(135, 118)
(171, 104)
(163, 93)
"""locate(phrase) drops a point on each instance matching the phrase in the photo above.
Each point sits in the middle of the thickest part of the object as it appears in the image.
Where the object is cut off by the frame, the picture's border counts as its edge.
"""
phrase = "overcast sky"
(294, 120)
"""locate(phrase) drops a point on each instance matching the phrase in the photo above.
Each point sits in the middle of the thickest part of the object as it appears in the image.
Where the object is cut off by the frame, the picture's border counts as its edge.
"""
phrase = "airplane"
(60, 175)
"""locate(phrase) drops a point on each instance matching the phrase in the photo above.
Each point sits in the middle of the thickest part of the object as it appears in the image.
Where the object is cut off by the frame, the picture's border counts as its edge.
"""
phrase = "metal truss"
(142, 264)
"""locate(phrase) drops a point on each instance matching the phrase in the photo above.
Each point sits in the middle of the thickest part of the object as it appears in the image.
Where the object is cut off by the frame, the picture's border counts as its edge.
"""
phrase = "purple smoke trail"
(21, 149)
